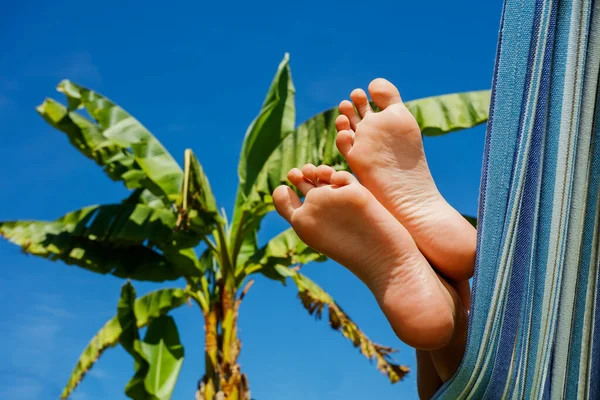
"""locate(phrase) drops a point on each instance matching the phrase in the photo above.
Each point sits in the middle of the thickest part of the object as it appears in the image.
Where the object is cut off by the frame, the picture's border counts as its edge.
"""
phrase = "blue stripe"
(559, 66)
(522, 256)
(454, 385)
(538, 142)
(517, 340)
(453, 388)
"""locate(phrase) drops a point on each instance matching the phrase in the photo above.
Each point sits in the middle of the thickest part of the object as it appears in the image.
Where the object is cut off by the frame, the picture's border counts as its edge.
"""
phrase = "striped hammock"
(534, 330)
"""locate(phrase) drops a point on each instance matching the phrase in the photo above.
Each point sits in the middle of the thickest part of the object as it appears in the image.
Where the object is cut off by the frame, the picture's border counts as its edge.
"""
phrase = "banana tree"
(169, 227)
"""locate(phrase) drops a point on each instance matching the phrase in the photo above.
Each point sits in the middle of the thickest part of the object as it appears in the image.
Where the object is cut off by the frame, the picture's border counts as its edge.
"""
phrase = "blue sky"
(195, 74)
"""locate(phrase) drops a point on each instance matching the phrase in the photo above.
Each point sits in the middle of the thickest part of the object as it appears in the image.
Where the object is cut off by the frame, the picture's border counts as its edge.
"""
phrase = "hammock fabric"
(534, 330)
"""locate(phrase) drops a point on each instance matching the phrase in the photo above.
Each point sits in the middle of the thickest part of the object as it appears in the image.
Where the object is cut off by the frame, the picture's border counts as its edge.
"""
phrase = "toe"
(296, 177)
(323, 174)
(359, 97)
(342, 178)
(309, 171)
(342, 123)
(383, 93)
(347, 109)
(344, 142)
(286, 201)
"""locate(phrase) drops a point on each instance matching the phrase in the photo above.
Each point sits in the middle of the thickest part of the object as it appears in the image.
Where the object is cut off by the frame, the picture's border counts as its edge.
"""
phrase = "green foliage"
(274, 122)
(452, 112)
(163, 176)
(157, 359)
(119, 239)
(152, 234)
(146, 309)
(130, 341)
(87, 137)
(281, 252)
(472, 220)
(312, 142)
(164, 353)
(198, 211)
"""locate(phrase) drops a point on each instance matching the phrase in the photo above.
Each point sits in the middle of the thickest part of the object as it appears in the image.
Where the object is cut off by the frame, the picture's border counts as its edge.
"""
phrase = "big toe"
(384, 93)
(344, 141)
(286, 201)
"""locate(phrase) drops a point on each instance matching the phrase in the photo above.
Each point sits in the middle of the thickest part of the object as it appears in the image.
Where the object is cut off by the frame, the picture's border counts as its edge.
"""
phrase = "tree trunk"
(223, 379)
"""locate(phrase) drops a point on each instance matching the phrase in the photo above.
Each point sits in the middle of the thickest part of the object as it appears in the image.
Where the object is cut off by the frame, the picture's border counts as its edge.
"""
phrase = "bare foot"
(385, 151)
(342, 219)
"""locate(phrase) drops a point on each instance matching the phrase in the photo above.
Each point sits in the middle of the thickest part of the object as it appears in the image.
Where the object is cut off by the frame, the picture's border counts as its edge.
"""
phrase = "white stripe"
(560, 210)
(578, 200)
